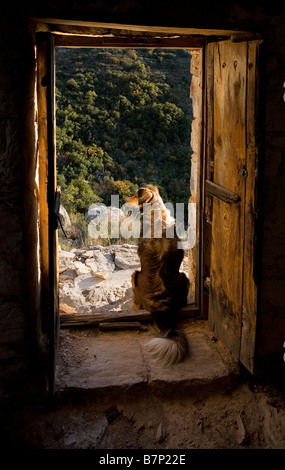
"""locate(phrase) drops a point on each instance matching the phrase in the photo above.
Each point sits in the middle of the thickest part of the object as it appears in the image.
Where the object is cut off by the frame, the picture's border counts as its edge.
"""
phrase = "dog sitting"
(159, 287)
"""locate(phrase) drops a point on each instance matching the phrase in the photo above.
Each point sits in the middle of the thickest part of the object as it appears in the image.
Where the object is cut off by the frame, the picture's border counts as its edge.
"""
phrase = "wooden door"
(230, 188)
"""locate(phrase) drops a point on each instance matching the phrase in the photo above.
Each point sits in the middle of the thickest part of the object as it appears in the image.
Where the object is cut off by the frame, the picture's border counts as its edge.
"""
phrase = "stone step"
(90, 360)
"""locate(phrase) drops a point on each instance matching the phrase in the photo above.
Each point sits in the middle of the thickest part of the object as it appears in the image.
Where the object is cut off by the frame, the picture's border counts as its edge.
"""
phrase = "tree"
(123, 120)
(109, 187)
(78, 196)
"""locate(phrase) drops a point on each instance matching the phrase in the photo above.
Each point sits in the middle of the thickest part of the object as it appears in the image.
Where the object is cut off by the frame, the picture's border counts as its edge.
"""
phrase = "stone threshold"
(91, 361)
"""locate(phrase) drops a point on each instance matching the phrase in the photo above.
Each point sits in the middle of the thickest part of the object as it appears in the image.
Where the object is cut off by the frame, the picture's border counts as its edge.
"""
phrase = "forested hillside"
(123, 120)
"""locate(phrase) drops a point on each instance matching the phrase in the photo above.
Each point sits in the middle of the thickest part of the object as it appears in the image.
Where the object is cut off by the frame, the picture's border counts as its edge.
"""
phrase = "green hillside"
(123, 120)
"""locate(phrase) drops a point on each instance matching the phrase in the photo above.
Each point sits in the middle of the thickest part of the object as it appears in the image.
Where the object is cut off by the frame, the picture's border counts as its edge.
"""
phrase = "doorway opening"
(125, 118)
(223, 184)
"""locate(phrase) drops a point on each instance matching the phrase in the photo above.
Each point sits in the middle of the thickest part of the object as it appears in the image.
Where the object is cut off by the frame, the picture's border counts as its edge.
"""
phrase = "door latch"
(243, 172)
(57, 219)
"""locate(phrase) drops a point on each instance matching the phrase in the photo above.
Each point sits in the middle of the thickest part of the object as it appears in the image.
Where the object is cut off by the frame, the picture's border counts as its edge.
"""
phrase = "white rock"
(94, 269)
(63, 254)
(111, 298)
(103, 262)
(64, 217)
(91, 264)
(160, 433)
(65, 260)
(68, 274)
(77, 251)
(130, 247)
(72, 297)
(96, 247)
(81, 268)
(126, 258)
(85, 281)
(88, 254)
(98, 212)
(101, 275)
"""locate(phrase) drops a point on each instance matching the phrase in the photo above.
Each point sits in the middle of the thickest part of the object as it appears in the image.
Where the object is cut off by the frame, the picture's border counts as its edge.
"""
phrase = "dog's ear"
(145, 195)
(153, 189)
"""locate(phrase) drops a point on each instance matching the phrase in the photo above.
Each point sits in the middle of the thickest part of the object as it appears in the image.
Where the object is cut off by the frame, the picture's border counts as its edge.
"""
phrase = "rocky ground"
(250, 416)
(98, 278)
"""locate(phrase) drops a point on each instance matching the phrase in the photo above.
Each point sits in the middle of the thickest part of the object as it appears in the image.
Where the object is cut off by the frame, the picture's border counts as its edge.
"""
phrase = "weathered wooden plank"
(124, 325)
(225, 299)
(190, 310)
(47, 182)
(208, 167)
(249, 308)
(209, 148)
(64, 40)
(51, 188)
(195, 199)
(57, 24)
(43, 163)
(220, 192)
(94, 319)
(245, 36)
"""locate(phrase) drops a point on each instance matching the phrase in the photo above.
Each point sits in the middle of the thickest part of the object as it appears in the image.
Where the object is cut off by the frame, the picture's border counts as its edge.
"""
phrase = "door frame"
(46, 42)
(48, 204)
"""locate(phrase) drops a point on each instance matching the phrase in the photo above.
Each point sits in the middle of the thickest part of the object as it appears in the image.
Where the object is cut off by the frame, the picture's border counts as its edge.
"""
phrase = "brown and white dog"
(159, 287)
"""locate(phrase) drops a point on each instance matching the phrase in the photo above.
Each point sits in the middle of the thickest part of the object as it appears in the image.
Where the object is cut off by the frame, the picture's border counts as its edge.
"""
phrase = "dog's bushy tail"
(169, 348)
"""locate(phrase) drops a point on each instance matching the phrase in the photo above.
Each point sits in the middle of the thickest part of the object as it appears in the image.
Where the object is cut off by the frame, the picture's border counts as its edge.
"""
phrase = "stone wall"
(22, 341)
(272, 327)
(19, 277)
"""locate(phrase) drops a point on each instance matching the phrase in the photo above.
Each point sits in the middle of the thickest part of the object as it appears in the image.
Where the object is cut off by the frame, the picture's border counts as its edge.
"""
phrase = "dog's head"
(146, 195)
(149, 195)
